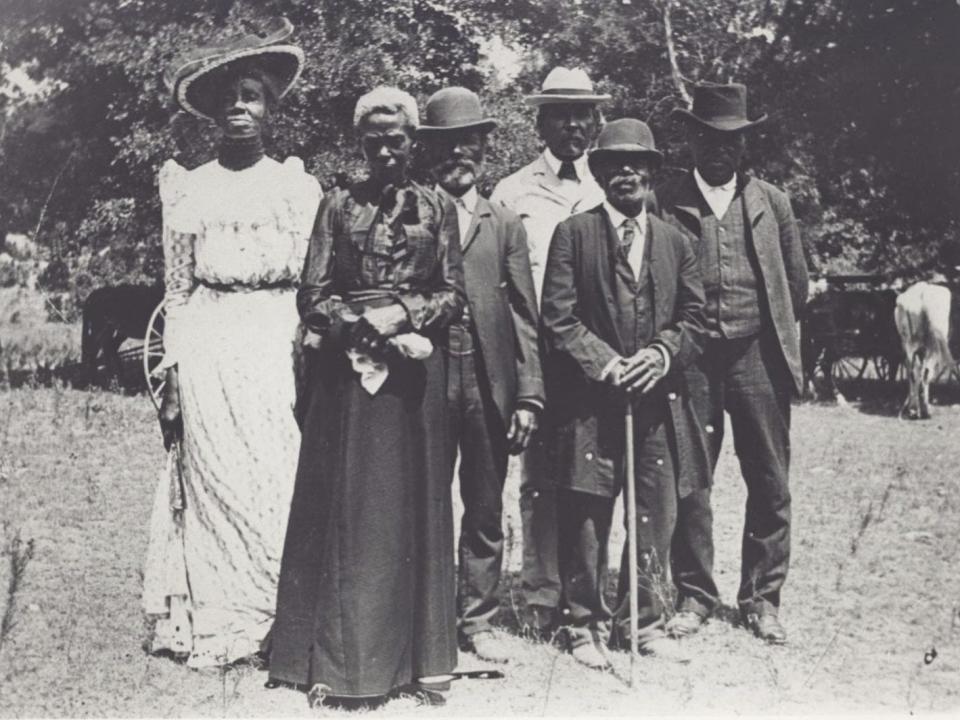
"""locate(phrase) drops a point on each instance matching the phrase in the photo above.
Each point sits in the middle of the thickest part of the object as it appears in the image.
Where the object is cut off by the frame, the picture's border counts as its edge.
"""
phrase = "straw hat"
(565, 85)
(189, 74)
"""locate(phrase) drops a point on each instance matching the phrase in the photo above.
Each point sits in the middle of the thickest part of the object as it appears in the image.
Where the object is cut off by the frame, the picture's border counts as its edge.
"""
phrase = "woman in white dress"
(235, 233)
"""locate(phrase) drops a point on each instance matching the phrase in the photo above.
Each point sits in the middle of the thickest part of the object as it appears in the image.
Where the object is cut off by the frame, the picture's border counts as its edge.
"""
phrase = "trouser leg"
(584, 529)
(483, 468)
(692, 547)
(758, 401)
(540, 576)
(656, 504)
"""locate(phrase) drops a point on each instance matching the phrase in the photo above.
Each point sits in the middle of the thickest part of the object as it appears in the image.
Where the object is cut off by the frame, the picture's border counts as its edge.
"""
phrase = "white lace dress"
(234, 243)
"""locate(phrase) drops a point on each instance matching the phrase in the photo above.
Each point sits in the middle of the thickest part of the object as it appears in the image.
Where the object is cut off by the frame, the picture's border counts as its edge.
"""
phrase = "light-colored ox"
(923, 320)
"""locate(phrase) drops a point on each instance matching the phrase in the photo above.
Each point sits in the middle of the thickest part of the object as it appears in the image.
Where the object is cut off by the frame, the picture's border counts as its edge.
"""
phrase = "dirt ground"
(871, 604)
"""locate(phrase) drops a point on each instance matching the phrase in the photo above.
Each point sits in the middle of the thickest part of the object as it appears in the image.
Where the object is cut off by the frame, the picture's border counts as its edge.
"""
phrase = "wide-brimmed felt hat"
(188, 75)
(454, 108)
(721, 107)
(566, 85)
(626, 135)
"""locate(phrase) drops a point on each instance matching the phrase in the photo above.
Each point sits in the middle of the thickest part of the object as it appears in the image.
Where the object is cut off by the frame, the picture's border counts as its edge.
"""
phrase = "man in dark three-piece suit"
(755, 280)
(495, 385)
(622, 316)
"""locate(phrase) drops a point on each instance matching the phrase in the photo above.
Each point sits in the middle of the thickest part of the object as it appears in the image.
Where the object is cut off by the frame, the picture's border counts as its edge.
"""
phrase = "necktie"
(630, 228)
(567, 171)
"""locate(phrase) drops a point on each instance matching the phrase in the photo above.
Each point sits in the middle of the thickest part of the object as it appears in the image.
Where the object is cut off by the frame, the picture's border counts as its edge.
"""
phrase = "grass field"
(873, 588)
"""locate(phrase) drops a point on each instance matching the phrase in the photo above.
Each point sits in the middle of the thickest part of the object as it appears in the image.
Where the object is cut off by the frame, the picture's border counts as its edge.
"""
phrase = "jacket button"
(672, 396)
(644, 518)
(709, 428)
(659, 461)
(589, 456)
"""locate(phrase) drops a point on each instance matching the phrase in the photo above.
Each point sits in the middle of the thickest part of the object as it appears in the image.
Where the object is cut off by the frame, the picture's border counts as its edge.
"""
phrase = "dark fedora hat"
(626, 135)
(721, 107)
(454, 108)
(189, 75)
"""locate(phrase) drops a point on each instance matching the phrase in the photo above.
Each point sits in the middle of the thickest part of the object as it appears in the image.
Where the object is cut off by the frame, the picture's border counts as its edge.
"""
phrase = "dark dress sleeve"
(320, 308)
(441, 299)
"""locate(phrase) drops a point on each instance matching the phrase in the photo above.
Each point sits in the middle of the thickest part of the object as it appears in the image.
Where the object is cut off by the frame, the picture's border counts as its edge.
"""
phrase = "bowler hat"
(188, 74)
(565, 85)
(721, 107)
(626, 135)
(454, 108)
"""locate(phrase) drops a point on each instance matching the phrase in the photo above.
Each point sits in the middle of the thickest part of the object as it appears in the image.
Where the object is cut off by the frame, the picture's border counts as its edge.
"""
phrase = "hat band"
(566, 91)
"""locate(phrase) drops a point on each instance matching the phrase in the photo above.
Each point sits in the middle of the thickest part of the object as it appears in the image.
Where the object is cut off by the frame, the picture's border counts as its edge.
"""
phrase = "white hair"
(386, 99)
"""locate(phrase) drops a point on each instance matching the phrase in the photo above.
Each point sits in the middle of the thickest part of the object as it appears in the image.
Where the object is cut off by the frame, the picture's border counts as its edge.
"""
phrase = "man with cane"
(622, 315)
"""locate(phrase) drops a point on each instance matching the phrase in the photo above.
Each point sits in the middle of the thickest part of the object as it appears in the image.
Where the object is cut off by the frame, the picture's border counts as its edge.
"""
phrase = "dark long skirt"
(366, 599)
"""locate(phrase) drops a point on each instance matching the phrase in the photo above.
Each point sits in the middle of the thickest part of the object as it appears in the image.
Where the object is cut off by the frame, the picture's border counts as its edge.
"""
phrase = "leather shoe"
(684, 623)
(766, 627)
(487, 646)
(587, 648)
(664, 648)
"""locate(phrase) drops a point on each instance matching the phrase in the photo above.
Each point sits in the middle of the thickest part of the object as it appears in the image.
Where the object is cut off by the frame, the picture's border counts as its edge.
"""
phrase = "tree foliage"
(862, 97)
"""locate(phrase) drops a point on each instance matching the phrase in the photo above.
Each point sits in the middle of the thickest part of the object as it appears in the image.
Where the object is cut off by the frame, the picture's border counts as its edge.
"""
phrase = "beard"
(458, 176)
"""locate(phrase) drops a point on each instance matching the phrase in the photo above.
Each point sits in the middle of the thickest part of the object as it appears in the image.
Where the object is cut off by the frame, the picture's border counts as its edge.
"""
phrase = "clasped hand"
(371, 331)
(640, 372)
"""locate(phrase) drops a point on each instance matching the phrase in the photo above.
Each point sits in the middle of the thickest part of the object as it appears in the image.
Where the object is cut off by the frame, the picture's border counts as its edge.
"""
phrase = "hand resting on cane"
(640, 372)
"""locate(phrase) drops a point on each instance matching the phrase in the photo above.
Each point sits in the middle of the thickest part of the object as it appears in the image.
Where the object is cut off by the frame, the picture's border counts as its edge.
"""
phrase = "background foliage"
(863, 98)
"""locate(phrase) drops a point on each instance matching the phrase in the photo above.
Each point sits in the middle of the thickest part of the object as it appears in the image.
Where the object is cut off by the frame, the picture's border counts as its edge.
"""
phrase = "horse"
(112, 315)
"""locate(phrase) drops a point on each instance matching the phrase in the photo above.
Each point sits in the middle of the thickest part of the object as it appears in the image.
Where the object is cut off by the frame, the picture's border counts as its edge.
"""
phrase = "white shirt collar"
(617, 217)
(728, 187)
(580, 164)
(718, 197)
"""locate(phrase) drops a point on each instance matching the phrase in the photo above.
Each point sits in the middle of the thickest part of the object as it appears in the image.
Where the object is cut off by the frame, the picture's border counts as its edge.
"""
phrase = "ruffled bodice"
(250, 226)
(241, 230)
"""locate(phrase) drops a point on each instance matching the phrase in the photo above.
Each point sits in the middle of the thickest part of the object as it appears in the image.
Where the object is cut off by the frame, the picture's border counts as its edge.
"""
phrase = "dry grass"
(873, 586)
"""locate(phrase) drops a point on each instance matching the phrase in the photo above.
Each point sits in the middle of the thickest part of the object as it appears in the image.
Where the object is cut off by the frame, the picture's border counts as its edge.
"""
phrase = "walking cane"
(632, 545)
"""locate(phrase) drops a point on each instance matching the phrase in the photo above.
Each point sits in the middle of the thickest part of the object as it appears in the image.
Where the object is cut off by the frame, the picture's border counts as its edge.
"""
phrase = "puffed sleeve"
(443, 299)
(305, 194)
(179, 235)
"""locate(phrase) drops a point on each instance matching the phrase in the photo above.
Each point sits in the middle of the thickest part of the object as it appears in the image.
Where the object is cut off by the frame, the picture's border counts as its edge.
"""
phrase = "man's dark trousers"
(584, 530)
(747, 378)
(477, 430)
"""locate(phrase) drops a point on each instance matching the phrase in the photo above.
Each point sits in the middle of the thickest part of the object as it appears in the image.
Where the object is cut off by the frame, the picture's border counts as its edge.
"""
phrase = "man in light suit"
(557, 184)
(622, 318)
(495, 386)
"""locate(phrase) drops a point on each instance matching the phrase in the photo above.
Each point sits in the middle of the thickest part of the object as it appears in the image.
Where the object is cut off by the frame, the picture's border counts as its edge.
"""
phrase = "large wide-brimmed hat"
(565, 85)
(188, 75)
(721, 107)
(454, 108)
(626, 135)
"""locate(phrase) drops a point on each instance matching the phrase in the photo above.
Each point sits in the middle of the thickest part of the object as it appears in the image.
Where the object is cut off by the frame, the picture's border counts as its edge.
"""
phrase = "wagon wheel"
(882, 367)
(153, 354)
(846, 368)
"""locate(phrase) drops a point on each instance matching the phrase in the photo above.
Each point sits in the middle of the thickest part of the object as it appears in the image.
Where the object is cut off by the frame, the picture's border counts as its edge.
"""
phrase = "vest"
(730, 272)
(635, 324)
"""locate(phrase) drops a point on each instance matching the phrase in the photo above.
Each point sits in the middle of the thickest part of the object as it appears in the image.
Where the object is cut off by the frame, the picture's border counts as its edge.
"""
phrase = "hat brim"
(722, 124)
(284, 62)
(598, 154)
(556, 99)
(485, 125)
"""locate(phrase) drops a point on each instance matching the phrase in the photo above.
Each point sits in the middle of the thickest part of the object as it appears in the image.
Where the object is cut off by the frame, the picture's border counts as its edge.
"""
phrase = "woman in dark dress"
(366, 600)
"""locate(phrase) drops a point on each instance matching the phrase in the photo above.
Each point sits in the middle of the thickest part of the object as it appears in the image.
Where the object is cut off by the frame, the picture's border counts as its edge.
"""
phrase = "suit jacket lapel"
(480, 213)
(654, 253)
(754, 201)
(607, 245)
(690, 199)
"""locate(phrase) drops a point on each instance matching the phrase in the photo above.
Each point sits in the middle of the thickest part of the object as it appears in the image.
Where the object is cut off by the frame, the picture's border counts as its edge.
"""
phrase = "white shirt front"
(580, 165)
(465, 205)
(618, 219)
(718, 197)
